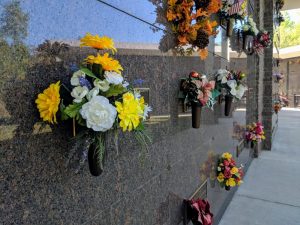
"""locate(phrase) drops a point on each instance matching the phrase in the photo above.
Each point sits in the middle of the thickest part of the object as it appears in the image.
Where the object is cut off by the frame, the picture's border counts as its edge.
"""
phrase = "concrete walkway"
(270, 194)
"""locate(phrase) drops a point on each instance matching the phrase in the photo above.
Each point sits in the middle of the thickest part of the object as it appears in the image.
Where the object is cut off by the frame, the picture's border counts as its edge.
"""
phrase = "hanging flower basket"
(228, 103)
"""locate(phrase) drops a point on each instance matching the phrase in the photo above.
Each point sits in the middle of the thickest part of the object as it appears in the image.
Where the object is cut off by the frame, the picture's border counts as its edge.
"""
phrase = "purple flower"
(138, 82)
(84, 82)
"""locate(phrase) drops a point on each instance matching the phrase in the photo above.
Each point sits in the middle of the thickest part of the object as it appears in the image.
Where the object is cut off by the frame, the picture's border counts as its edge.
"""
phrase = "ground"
(270, 194)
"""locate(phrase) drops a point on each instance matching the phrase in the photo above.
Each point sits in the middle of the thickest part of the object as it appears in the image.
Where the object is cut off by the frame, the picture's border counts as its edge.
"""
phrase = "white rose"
(232, 84)
(78, 93)
(76, 76)
(99, 114)
(103, 85)
(113, 77)
(92, 93)
(222, 75)
(125, 84)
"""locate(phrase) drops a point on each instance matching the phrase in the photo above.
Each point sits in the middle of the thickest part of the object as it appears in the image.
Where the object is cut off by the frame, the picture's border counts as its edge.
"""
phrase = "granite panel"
(39, 187)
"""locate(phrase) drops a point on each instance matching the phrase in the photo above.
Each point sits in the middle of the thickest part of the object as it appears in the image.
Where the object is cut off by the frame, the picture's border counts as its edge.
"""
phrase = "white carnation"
(99, 114)
(113, 77)
(92, 93)
(103, 85)
(147, 109)
(76, 76)
(78, 93)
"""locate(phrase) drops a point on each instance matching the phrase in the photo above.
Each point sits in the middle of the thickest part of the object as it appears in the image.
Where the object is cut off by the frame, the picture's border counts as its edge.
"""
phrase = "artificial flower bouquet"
(208, 168)
(278, 76)
(228, 15)
(255, 133)
(198, 211)
(250, 27)
(262, 41)
(232, 84)
(198, 92)
(190, 22)
(277, 106)
(228, 174)
(101, 101)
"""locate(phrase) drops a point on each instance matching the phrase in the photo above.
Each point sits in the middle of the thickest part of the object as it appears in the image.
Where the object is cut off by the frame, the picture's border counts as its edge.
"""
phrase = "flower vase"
(212, 183)
(229, 28)
(220, 99)
(252, 144)
(94, 164)
(228, 103)
(227, 188)
(196, 114)
(248, 44)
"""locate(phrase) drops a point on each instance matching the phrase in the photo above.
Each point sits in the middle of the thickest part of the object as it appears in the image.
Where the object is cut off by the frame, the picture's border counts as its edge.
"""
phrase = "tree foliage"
(289, 32)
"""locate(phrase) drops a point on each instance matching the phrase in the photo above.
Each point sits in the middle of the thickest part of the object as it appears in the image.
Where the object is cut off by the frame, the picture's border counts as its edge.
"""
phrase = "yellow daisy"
(97, 42)
(107, 63)
(48, 103)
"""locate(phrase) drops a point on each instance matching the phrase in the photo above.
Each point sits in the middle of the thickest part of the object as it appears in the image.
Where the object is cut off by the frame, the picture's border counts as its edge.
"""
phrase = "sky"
(71, 19)
(294, 14)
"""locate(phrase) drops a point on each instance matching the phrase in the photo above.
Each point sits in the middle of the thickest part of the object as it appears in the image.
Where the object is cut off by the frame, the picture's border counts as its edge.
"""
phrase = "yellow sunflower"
(130, 111)
(48, 103)
(107, 63)
(97, 42)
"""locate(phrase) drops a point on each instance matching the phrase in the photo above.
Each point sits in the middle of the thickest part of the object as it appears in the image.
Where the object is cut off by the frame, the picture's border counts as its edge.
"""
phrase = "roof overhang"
(291, 4)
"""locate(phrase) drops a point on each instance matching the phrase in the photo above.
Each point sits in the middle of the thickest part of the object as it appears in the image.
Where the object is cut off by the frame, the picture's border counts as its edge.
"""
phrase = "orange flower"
(214, 6)
(172, 2)
(199, 13)
(170, 15)
(203, 53)
(182, 39)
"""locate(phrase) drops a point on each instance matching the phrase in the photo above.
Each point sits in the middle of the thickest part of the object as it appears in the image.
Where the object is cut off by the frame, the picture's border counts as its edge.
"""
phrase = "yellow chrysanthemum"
(130, 111)
(48, 103)
(220, 177)
(226, 155)
(107, 63)
(234, 170)
(97, 42)
(231, 182)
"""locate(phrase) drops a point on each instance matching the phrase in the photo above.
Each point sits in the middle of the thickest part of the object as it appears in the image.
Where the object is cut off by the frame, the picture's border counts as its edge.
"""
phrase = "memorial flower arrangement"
(249, 27)
(228, 174)
(191, 24)
(198, 92)
(198, 211)
(208, 168)
(262, 41)
(232, 11)
(255, 133)
(101, 101)
(232, 82)
(277, 106)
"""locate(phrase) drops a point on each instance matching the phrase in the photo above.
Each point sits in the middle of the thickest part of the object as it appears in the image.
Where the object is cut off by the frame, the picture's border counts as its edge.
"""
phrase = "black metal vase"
(229, 27)
(252, 144)
(227, 188)
(228, 103)
(95, 166)
(248, 44)
(196, 114)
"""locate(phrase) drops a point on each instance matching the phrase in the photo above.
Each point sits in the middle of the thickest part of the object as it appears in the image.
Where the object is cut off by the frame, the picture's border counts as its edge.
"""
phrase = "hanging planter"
(196, 114)
(228, 103)
(229, 28)
(95, 165)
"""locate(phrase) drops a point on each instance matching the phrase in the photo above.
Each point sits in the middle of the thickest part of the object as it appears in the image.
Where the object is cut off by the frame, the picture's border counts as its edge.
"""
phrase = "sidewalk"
(270, 194)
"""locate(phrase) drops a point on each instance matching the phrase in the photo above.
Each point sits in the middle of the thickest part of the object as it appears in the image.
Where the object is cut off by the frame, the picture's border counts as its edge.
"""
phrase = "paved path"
(270, 194)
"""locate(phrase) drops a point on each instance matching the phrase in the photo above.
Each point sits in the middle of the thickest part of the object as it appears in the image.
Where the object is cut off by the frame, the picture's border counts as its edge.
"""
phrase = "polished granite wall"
(37, 187)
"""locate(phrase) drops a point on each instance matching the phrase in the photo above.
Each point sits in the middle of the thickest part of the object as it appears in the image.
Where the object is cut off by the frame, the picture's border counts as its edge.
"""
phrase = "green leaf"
(73, 109)
(115, 90)
(63, 114)
(88, 72)
(140, 127)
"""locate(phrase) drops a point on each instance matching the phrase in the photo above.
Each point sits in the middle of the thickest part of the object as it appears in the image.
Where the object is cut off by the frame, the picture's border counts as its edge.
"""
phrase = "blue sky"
(71, 19)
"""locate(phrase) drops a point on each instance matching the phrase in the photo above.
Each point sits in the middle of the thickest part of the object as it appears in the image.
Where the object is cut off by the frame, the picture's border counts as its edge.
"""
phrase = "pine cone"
(202, 4)
(202, 39)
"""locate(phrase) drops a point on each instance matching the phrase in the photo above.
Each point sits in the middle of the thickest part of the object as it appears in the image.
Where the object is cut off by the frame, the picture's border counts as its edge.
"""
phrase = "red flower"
(199, 212)
(227, 173)
(226, 163)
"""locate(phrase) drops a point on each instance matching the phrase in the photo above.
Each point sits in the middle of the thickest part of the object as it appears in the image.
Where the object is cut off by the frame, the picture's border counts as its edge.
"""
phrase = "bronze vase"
(228, 103)
(94, 165)
(196, 114)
